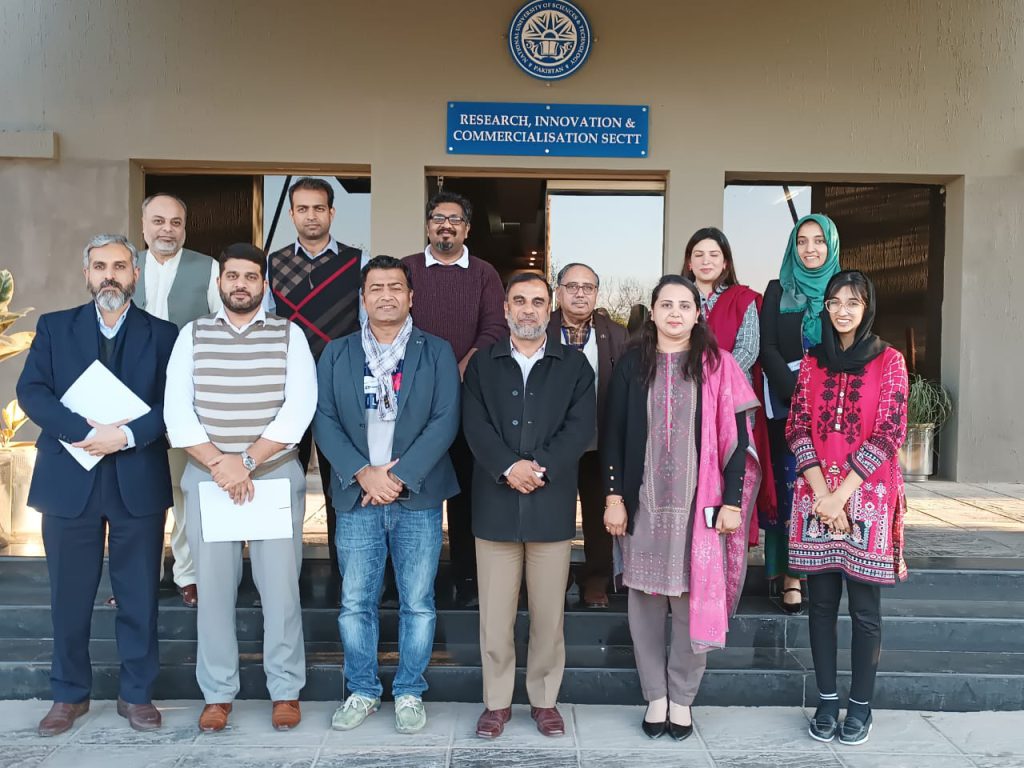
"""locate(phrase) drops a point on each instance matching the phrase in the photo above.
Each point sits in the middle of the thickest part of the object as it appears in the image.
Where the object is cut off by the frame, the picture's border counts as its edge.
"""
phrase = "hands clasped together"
(380, 485)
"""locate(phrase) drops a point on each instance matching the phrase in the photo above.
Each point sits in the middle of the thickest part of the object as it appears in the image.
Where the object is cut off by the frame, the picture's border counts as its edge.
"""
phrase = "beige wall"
(873, 89)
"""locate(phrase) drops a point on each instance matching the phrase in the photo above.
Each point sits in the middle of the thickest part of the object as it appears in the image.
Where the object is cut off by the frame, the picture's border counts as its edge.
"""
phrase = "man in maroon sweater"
(461, 299)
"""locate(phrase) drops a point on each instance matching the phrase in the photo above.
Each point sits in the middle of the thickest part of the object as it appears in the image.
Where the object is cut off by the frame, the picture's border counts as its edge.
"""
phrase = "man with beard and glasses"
(529, 413)
(241, 391)
(179, 285)
(459, 298)
(122, 498)
(314, 282)
(576, 323)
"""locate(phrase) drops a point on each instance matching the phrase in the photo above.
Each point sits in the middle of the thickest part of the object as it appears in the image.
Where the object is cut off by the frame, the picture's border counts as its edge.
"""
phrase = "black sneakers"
(854, 731)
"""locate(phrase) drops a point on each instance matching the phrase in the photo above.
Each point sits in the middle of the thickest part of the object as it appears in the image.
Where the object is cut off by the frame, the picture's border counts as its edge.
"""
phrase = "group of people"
(424, 384)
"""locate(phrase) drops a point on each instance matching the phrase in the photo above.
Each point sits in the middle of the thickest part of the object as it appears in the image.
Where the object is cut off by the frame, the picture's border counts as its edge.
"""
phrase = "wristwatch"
(248, 461)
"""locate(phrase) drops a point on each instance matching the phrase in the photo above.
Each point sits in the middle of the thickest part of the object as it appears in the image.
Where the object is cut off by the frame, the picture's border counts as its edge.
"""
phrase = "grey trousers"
(679, 674)
(275, 569)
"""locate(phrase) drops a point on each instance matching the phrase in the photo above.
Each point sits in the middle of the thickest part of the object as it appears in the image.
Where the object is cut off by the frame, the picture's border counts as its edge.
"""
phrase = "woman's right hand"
(615, 517)
(831, 510)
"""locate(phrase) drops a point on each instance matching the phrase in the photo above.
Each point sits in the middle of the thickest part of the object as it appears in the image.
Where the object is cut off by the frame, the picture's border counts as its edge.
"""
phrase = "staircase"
(953, 640)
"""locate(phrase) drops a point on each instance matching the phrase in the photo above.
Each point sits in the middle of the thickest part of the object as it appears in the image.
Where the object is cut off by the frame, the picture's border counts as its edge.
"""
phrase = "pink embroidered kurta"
(851, 422)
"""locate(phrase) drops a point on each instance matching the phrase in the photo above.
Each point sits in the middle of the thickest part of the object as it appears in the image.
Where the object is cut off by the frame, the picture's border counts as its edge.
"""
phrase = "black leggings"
(824, 591)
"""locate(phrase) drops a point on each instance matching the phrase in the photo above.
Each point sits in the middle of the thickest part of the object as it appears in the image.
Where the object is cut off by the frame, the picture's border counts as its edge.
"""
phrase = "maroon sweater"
(465, 307)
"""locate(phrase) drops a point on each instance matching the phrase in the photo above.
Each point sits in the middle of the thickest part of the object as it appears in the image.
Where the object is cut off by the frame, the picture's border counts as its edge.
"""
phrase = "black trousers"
(461, 544)
(824, 591)
(597, 542)
(305, 454)
(74, 561)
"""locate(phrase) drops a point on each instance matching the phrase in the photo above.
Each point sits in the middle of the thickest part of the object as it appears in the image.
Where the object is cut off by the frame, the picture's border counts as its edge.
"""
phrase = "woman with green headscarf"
(790, 325)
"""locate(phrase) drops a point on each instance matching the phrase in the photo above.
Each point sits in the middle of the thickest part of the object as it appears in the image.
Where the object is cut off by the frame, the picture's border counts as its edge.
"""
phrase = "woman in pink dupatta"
(676, 404)
(847, 421)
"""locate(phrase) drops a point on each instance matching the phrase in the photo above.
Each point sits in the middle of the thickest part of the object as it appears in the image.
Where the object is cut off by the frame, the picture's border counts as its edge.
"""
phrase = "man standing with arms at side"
(123, 498)
(388, 411)
(179, 285)
(577, 325)
(314, 282)
(241, 391)
(529, 413)
(459, 298)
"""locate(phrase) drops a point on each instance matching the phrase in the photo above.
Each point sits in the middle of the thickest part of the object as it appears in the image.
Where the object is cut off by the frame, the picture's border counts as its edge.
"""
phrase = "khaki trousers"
(184, 568)
(500, 567)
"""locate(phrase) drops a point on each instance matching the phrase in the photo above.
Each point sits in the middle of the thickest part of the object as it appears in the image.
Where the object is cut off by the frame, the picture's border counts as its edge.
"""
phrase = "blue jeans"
(364, 537)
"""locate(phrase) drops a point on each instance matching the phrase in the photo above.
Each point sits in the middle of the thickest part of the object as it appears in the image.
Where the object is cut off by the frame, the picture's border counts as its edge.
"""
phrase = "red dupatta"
(725, 319)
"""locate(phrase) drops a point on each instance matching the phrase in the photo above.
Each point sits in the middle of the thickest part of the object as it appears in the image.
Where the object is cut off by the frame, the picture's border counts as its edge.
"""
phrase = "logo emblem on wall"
(549, 39)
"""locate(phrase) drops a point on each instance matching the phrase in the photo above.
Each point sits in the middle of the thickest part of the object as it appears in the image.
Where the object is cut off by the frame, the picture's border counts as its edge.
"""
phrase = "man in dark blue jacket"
(122, 498)
(387, 413)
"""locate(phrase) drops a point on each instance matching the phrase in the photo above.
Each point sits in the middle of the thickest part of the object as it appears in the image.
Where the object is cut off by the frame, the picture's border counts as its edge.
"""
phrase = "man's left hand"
(227, 470)
(108, 438)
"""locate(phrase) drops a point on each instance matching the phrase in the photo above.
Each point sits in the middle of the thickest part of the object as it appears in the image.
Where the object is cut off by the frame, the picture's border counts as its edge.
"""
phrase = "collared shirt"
(526, 363)
(300, 389)
(160, 278)
(462, 261)
(332, 246)
(109, 333)
(577, 335)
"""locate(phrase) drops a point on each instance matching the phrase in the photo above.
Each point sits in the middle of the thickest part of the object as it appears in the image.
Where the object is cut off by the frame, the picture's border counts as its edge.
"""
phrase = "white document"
(99, 395)
(267, 516)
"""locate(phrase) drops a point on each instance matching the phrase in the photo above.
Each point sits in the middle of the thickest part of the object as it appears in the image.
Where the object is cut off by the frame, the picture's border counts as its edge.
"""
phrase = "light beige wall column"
(694, 198)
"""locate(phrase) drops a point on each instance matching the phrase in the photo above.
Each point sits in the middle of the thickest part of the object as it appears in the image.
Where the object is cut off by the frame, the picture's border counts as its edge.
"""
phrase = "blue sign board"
(553, 130)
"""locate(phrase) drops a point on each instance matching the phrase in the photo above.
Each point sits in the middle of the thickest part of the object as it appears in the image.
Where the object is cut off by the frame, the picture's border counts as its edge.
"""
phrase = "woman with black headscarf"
(846, 424)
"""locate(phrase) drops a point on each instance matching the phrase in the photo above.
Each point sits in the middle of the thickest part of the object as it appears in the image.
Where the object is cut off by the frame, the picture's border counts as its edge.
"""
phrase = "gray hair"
(175, 198)
(98, 241)
(564, 270)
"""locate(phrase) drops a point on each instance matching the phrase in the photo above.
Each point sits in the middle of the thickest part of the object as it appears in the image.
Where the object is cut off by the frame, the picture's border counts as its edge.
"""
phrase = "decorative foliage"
(928, 402)
(11, 420)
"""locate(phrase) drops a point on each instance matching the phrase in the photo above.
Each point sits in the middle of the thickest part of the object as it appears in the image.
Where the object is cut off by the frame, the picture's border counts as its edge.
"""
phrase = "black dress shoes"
(653, 730)
(679, 732)
(823, 726)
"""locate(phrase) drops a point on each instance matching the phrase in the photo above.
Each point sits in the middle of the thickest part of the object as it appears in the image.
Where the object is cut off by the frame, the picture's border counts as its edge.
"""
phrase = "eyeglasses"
(853, 305)
(455, 220)
(587, 288)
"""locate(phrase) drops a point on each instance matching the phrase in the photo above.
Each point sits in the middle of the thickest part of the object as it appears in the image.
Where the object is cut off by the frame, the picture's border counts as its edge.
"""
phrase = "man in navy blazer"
(387, 413)
(123, 497)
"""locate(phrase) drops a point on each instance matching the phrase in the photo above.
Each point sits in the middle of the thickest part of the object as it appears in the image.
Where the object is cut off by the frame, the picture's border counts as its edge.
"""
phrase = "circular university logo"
(549, 39)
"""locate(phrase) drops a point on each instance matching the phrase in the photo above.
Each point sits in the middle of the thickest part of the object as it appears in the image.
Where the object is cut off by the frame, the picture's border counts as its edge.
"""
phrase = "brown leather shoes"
(549, 722)
(141, 717)
(214, 717)
(595, 592)
(492, 722)
(286, 715)
(189, 595)
(61, 717)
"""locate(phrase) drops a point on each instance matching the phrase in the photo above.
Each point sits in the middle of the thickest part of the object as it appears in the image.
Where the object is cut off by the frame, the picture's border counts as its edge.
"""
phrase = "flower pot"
(16, 463)
(918, 453)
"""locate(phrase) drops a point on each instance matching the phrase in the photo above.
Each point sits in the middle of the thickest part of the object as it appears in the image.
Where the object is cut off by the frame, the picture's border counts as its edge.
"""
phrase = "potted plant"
(16, 459)
(928, 408)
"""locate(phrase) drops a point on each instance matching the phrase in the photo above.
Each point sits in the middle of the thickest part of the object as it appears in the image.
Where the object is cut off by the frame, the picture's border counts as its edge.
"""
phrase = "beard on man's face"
(241, 301)
(111, 295)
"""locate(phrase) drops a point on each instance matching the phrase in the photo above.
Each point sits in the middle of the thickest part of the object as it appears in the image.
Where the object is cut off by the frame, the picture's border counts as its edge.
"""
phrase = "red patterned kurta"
(842, 422)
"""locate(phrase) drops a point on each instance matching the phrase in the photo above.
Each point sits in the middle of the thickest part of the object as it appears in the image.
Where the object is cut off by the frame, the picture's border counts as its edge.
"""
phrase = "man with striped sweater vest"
(179, 285)
(241, 391)
(314, 283)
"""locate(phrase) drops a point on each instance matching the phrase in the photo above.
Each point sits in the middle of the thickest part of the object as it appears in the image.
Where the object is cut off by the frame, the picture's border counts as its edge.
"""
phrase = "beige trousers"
(184, 569)
(500, 567)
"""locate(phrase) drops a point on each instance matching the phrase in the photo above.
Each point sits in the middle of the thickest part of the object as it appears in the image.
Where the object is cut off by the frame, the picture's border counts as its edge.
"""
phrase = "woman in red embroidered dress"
(846, 424)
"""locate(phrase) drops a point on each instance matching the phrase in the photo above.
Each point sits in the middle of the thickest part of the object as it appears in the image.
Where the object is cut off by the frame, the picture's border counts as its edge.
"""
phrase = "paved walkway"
(598, 737)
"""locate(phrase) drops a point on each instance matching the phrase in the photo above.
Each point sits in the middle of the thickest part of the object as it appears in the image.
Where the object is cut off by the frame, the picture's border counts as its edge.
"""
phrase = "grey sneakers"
(410, 715)
(353, 712)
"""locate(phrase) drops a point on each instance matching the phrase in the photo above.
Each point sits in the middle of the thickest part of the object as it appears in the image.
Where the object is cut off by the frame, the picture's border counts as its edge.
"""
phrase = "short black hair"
(314, 185)
(246, 251)
(526, 277)
(853, 279)
(385, 262)
(565, 270)
(451, 197)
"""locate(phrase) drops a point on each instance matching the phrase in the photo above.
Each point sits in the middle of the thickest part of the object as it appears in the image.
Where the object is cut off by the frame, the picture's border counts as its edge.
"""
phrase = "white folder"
(267, 516)
(99, 395)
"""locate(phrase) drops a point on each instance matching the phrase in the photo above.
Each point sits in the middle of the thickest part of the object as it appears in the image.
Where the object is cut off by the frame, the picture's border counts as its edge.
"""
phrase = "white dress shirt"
(184, 429)
(160, 278)
(462, 261)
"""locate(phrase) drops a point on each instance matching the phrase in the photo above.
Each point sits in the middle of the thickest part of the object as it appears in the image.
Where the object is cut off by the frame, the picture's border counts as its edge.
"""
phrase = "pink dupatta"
(718, 563)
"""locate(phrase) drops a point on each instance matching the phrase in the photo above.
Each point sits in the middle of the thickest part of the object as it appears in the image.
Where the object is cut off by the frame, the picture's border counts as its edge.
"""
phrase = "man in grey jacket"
(179, 285)
(387, 412)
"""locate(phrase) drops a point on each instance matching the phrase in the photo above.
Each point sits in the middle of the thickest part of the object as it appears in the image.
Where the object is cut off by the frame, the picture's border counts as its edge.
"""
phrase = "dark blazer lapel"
(413, 351)
(357, 364)
(137, 334)
(85, 330)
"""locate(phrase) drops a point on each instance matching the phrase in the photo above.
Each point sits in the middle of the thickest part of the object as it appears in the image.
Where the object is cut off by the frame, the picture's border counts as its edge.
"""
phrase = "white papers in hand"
(267, 516)
(99, 395)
